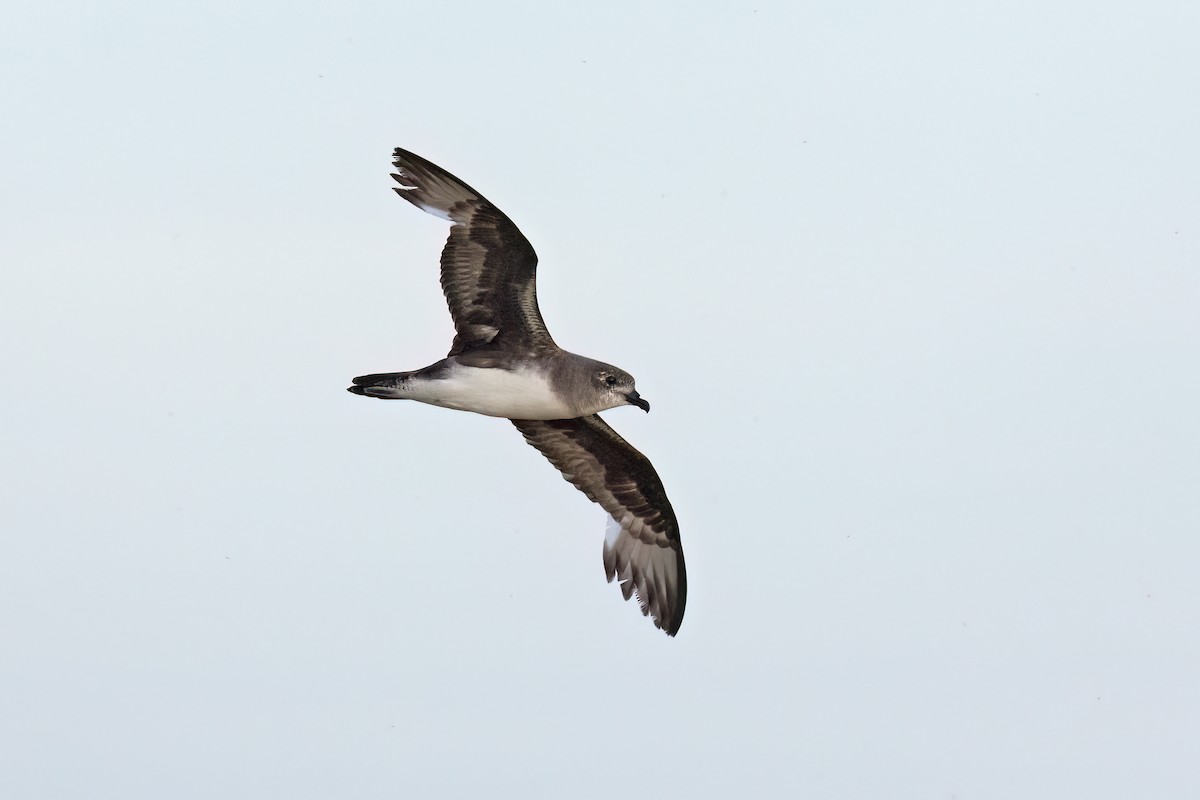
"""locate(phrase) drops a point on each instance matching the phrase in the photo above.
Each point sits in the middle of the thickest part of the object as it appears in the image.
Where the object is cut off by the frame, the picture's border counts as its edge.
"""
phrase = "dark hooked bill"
(635, 399)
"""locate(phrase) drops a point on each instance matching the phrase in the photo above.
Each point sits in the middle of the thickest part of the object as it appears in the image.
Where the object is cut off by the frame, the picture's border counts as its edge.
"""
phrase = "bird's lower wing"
(642, 550)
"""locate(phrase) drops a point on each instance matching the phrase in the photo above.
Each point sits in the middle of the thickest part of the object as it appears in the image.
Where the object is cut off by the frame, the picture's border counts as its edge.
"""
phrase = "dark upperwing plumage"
(644, 554)
(488, 266)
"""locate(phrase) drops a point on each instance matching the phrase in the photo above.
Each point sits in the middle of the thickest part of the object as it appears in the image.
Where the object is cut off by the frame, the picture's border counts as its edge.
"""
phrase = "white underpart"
(515, 394)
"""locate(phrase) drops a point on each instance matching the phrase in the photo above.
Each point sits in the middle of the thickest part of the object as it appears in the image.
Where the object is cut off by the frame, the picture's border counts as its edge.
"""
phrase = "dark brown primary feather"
(488, 266)
(646, 556)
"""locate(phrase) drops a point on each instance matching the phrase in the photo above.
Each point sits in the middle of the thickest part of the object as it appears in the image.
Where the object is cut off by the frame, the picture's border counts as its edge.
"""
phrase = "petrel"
(503, 363)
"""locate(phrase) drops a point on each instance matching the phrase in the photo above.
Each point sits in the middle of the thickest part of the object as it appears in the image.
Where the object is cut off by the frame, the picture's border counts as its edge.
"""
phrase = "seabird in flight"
(503, 363)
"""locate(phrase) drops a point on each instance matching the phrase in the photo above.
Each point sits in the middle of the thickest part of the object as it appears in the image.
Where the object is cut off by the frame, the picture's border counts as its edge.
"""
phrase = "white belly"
(494, 392)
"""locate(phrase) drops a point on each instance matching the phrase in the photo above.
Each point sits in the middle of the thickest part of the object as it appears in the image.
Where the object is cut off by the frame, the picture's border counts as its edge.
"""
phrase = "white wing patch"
(612, 532)
(426, 207)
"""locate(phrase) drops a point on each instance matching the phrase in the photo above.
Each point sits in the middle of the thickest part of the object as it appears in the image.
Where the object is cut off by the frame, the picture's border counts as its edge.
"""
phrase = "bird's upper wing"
(488, 266)
(641, 547)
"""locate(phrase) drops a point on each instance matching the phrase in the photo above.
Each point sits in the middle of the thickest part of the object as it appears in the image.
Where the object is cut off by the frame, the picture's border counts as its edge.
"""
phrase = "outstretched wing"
(641, 547)
(488, 266)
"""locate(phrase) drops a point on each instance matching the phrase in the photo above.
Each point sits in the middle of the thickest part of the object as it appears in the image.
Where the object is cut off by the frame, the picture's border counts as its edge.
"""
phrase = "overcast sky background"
(914, 290)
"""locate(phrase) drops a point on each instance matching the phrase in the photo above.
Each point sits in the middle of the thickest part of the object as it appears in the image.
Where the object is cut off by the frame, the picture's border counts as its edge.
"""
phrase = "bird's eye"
(610, 380)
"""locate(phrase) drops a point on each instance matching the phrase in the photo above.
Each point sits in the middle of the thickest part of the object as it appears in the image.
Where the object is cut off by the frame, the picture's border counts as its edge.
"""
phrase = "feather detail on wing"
(488, 266)
(642, 550)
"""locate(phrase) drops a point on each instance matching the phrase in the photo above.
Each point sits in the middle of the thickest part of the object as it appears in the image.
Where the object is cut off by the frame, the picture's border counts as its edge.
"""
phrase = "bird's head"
(617, 387)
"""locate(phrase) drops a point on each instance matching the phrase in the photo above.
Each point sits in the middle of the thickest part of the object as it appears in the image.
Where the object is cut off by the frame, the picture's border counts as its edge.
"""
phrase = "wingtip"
(405, 161)
(653, 600)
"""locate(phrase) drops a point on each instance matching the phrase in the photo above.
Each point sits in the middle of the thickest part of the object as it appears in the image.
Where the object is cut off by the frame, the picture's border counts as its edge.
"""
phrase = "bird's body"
(520, 393)
(503, 363)
(497, 384)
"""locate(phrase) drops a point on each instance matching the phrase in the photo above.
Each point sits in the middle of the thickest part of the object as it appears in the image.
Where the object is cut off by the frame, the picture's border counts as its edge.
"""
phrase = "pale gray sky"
(913, 289)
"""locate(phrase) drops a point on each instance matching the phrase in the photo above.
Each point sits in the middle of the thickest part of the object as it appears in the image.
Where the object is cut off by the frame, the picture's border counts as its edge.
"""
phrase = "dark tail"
(385, 385)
